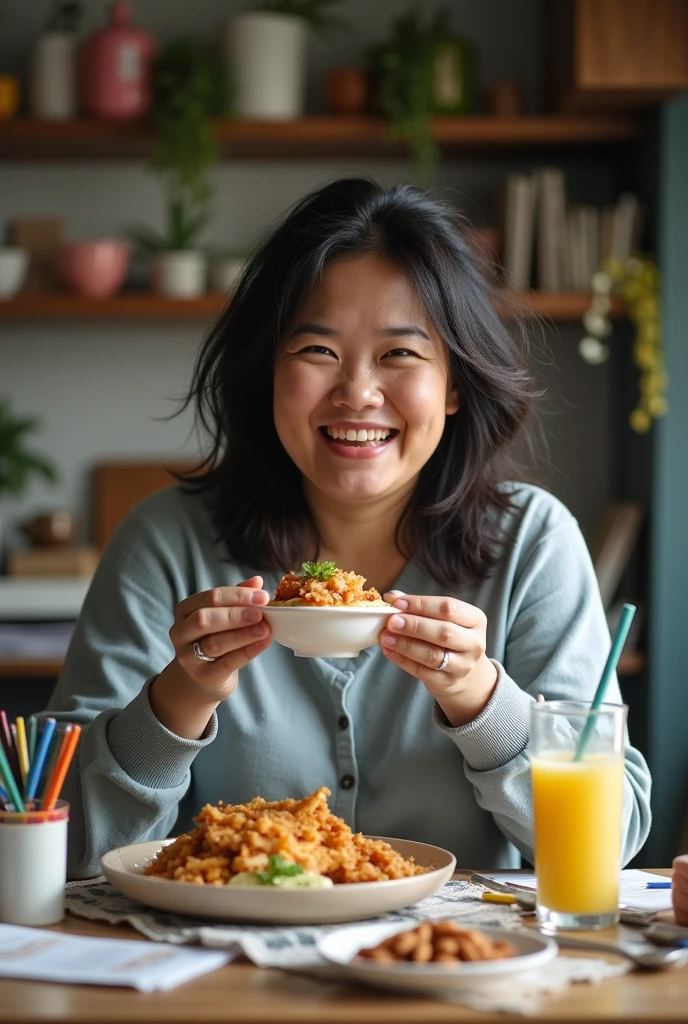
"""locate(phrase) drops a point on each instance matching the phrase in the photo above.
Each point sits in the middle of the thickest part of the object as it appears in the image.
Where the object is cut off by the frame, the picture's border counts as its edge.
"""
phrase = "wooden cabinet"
(602, 54)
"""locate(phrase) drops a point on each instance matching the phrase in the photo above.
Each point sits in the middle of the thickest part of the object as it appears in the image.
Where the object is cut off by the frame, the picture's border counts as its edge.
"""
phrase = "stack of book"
(557, 246)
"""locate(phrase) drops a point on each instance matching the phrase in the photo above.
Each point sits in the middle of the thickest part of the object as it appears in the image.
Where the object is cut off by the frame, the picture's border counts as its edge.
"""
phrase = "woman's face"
(361, 388)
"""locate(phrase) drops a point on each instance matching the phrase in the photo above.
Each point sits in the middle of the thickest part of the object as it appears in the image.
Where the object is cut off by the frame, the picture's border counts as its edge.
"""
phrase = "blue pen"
(39, 760)
(659, 885)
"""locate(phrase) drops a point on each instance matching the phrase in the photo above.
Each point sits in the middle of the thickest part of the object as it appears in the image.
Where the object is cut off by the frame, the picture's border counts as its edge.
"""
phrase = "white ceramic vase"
(53, 77)
(180, 274)
(265, 57)
(14, 263)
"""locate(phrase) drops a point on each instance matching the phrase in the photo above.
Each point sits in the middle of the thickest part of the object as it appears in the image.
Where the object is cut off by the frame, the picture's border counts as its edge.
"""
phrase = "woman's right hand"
(227, 623)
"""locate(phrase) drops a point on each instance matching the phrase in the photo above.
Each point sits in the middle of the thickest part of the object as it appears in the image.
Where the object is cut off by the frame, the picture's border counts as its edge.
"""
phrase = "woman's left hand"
(442, 642)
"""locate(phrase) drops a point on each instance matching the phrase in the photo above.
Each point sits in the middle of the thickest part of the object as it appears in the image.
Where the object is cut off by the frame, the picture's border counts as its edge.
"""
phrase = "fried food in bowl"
(326, 612)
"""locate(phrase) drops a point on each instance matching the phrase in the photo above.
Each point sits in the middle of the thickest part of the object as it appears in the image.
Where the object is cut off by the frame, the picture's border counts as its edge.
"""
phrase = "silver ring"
(198, 653)
(443, 664)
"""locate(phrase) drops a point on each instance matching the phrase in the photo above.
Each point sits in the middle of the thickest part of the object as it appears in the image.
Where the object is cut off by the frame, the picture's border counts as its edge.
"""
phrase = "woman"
(365, 311)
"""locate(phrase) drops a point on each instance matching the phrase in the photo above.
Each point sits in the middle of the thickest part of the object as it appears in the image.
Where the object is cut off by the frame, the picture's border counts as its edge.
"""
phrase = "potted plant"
(420, 70)
(265, 50)
(188, 93)
(18, 464)
(53, 63)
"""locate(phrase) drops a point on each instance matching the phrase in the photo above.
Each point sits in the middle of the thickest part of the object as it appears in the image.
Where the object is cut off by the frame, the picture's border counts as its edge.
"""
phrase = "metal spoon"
(646, 960)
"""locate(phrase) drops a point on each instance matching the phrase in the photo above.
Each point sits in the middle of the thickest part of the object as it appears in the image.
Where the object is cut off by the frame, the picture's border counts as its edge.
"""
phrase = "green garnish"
(278, 868)
(319, 570)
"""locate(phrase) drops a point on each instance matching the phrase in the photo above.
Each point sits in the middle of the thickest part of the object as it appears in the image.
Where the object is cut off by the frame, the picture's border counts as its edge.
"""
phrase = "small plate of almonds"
(439, 956)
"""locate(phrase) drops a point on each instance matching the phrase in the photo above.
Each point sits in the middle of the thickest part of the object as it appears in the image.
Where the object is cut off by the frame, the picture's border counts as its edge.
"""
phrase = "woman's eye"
(320, 350)
(399, 352)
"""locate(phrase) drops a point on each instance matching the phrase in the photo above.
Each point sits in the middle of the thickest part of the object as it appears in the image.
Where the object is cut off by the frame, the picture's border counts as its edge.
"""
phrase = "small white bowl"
(328, 631)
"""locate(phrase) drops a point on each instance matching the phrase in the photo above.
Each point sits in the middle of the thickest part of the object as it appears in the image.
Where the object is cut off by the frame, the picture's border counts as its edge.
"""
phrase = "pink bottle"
(115, 68)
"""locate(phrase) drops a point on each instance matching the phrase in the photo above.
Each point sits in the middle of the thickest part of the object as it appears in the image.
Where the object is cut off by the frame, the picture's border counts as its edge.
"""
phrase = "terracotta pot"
(347, 90)
(95, 268)
(50, 529)
(505, 98)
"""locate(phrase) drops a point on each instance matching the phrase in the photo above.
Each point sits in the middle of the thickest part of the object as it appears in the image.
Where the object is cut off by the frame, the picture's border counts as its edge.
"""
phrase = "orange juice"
(577, 809)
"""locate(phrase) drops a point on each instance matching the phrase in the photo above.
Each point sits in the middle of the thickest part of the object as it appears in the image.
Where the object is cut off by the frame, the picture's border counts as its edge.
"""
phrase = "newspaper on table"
(295, 947)
(273, 945)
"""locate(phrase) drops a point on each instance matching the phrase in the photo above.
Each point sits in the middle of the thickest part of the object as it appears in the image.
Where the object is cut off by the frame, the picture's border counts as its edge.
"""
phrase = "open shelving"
(555, 306)
(320, 137)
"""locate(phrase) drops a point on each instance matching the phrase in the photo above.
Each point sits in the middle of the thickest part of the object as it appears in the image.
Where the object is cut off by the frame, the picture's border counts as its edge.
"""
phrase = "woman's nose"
(357, 391)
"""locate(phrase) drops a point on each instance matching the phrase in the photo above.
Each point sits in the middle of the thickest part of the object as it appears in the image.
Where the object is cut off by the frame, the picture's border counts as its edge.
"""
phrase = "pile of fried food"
(322, 584)
(235, 838)
(437, 942)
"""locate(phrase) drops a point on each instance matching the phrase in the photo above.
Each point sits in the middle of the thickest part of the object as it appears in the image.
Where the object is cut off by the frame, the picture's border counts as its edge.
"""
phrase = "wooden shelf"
(319, 137)
(555, 306)
(631, 664)
(29, 668)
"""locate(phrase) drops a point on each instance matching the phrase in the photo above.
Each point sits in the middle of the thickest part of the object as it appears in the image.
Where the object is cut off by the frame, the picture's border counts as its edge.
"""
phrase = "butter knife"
(526, 899)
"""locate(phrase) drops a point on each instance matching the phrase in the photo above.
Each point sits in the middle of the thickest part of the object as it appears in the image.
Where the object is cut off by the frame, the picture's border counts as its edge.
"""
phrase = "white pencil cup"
(33, 865)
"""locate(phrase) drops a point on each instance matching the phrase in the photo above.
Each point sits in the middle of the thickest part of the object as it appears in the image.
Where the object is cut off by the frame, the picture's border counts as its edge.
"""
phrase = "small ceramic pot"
(179, 274)
(224, 273)
(14, 263)
(347, 91)
(50, 529)
(95, 268)
(265, 54)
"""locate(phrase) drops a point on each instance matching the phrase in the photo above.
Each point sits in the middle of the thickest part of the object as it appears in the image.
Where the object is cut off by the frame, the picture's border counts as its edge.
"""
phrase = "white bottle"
(53, 77)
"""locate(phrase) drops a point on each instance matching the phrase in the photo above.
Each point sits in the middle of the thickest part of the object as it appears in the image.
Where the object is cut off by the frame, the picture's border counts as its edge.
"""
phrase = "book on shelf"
(519, 228)
(614, 545)
(558, 245)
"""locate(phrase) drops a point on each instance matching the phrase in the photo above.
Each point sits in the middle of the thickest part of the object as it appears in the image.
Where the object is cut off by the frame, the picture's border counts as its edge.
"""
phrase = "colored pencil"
(10, 784)
(33, 737)
(6, 739)
(64, 760)
(39, 760)
(53, 754)
(22, 748)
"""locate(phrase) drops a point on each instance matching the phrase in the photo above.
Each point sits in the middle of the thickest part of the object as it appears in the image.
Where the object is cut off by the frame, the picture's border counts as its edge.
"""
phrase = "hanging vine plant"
(637, 282)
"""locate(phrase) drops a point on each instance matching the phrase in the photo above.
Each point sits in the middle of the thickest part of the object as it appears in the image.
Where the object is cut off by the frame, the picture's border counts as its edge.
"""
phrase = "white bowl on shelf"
(328, 631)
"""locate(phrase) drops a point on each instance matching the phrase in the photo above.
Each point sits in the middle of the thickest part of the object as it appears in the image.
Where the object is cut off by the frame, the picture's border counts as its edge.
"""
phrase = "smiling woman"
(359, 398)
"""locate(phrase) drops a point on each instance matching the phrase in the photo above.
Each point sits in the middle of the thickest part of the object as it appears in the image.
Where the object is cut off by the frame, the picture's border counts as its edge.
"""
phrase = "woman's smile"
(357, 440)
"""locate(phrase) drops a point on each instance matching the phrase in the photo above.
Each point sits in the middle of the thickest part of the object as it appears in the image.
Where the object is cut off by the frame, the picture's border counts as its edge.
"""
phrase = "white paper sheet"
(633, 891)
(41, 955)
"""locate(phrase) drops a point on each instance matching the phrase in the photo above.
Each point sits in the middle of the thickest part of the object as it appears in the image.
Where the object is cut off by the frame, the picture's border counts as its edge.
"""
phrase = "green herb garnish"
(319, 570)
(278, 868)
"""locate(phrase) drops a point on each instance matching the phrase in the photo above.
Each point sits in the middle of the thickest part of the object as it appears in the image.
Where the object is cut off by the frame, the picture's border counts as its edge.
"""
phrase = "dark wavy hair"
(253, 488)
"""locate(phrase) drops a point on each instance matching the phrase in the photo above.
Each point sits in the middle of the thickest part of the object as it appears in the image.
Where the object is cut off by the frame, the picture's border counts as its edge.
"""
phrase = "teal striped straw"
(612, 661)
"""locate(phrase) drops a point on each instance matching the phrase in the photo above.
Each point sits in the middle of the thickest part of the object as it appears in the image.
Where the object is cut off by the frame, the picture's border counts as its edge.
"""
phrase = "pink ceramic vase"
(96, 269)
(115, 68)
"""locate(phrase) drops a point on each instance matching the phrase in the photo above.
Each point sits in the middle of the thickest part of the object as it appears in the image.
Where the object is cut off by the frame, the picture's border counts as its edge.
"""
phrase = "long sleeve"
(130, 772)
(556, 644)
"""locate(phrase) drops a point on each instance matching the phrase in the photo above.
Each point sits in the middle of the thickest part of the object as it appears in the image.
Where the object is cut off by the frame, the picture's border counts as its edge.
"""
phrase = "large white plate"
(350, 902)
(340, 947)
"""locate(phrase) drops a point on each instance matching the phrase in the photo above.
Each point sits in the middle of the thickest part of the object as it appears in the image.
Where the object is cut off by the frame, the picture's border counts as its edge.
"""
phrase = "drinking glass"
(577, 804)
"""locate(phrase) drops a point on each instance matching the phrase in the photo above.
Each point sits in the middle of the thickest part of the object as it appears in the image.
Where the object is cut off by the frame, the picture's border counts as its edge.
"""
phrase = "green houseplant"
(17, 462)
(189, 92)
(421, 69)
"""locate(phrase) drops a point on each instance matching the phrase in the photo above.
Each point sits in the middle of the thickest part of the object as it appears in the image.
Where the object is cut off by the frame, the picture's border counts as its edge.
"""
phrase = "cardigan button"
(347, 781)
(343, 722)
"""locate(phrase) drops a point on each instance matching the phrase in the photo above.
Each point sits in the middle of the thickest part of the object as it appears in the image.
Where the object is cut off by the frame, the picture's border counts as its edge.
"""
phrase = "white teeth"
(339, 434)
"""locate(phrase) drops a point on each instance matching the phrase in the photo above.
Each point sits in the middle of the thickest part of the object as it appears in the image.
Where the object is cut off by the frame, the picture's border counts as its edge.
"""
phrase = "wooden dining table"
(241, 993)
